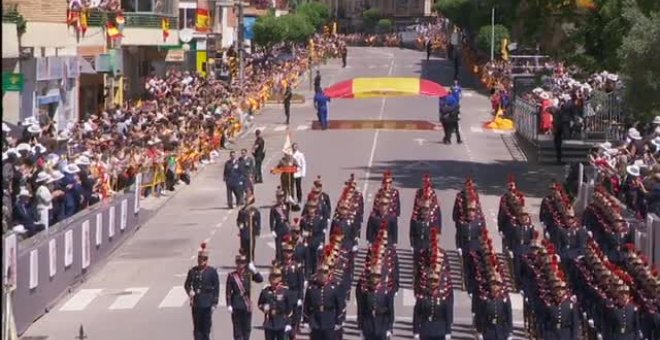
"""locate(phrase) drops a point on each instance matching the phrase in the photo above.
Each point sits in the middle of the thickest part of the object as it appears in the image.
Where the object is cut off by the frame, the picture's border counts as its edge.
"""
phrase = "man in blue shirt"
(321, 104)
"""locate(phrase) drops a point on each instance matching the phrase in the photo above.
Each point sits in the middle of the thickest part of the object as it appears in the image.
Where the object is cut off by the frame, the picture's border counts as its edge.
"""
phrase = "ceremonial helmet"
(387, 177)
(203, 251)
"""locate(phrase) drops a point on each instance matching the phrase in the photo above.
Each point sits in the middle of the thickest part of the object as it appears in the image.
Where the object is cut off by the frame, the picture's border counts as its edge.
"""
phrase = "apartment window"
(157, 6)
(187, 17)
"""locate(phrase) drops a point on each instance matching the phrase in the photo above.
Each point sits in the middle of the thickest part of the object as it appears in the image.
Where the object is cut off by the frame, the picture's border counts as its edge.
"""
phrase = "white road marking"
(408, 298)
(80, 301)
(468, 94)
(376, 134)
(175, 298)
(372, 66)
(280, 128)
(129, 301)
(222, 301)
(476, 129)
(302, 127)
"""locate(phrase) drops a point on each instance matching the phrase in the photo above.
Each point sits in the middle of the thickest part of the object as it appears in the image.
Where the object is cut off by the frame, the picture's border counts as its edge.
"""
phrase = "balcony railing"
(141, 20)
(10, 13)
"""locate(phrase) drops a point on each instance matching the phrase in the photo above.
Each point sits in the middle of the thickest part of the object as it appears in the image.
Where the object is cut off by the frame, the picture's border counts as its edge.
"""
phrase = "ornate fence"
(526, 116)
(604, 116)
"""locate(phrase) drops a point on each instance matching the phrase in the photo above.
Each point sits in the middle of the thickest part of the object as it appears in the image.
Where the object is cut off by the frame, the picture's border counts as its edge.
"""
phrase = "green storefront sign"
(12, 82)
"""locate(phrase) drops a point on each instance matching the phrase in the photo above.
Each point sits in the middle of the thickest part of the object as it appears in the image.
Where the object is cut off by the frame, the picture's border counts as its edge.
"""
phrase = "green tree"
(458, 11)
(639, 53)
(385, 25)
(371, 17)
(317, 13)
(268, 30)
(297, 28)
(485, 35)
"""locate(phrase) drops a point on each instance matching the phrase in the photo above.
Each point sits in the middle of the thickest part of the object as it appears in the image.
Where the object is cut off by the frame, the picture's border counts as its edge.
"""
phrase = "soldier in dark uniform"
(312, 225)
(279, 221)
(238, 296)
(249, 226)
(275, 302)
(300, 246)
(324, 199)
(421, 228)
(346, 224)
(493, 316)
(203, 287)
(433, 314)
(357, 199)
(376, 220)
(469, 231)
(344, 55)
(324, 309)
(621, 319)
(375, 307)
(234, 180)
(561, 317)
(521, 237)
(392, 192)
(293, 276)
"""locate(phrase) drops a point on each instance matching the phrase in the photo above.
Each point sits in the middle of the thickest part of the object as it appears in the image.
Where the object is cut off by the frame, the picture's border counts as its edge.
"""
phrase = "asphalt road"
(138, 294)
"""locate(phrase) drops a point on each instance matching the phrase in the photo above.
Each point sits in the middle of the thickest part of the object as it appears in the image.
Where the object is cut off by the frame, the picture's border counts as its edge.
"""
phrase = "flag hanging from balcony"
(203, 17)
(72, 17)
(112, 31)
(121, 21)
(84, 15)
(165, 25)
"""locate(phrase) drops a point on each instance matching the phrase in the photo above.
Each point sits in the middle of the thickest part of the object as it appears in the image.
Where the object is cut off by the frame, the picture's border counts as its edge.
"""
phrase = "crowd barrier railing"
(42, 268)
(526, 116)
(604, 115)
(647, 232)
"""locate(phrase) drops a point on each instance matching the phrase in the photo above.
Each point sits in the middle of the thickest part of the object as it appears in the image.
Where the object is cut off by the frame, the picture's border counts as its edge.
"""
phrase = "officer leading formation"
(580, 281)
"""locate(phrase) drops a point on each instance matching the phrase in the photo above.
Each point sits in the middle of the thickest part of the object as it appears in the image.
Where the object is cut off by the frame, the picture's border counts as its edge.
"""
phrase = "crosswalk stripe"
(408, 298)
(129, 300)
(80, 301)
(302, 127)
(175, 298)
(476, 129)
(280, 128)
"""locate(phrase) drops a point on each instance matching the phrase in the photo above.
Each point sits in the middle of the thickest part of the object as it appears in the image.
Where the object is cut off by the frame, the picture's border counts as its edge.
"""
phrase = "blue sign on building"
(248, 24)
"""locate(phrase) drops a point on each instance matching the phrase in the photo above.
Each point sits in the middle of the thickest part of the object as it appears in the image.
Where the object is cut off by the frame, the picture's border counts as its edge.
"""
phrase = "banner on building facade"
(203, 16)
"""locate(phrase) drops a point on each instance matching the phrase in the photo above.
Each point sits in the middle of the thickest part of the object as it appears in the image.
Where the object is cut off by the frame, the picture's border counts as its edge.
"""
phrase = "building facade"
(75, 60)
(352, 9)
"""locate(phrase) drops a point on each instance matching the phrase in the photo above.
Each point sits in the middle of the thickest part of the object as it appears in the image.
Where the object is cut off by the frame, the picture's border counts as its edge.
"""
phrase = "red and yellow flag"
(203, 17)
(112, 31)
(121, 21)
(165, 25)
(84, 15)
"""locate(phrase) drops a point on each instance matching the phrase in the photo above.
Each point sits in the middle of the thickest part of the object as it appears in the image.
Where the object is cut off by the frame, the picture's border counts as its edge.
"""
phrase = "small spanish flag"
(84, 15)
(165, 25)
(202, 20)
(113, 31)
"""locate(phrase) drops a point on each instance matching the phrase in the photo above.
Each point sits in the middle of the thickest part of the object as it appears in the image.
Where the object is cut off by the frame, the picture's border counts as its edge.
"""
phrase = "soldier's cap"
(279, 193)
(316, 189)
(317, 182)
(241, 258)
(276, 272)
(312, 204)
(203, 251)
(286, 246)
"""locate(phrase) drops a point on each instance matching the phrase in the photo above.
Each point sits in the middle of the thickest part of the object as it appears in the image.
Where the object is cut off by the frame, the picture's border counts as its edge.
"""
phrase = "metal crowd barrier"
(647, 232)
(44, 267)
(604, 115)
(526, 116)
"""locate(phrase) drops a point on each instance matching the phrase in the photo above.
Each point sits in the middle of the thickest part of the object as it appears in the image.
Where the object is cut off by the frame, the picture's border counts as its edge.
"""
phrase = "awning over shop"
(53, 96)
(385, 87)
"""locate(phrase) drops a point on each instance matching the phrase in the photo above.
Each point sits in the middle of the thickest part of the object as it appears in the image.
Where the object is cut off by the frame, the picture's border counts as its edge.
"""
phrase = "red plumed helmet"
(296, 220)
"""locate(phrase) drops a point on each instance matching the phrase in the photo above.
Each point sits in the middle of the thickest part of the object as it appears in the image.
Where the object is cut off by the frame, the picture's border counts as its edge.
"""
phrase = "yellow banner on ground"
(389, 87)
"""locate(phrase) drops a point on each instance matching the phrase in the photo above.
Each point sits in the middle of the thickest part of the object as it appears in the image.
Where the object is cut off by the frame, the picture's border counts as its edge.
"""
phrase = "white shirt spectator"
(302, 164)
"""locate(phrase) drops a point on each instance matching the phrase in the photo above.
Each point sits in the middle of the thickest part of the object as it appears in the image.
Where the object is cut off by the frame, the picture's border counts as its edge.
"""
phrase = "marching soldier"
(469, 231)
(324, 309)
(434, 311)
(293, 276)
(238, 296)
(313, 225)
(324, 199)
(522, 235)
(375, 307)
(279, 221)
(493, 315)
(357, 199)
(380, 216)
(274, 302)
(621, 319)
(203, 287)
(388, 189)
(300, 246)
(249, 226)
(345, 224)
(421, 227)
(561, 318)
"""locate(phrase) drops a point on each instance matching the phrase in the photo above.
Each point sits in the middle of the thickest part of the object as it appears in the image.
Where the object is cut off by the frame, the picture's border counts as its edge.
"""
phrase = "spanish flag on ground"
(112, 31)
(165, 25)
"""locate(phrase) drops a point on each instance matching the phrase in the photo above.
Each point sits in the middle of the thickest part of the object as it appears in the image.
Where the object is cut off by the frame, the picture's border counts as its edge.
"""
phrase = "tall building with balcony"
(72, 59)
(397, 9)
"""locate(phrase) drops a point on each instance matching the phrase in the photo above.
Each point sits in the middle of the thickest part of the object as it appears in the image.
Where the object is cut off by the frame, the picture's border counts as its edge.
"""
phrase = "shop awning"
(385, 87)
(52, 96)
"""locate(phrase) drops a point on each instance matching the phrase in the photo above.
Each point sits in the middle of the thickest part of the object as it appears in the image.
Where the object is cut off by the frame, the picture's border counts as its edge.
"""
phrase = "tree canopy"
(268, 30)
(485, 35)
(385, 25)
(317, 13)
(371, 17)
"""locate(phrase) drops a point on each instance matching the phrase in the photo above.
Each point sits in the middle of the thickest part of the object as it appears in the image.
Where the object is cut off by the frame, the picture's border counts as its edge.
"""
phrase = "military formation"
(579, 279)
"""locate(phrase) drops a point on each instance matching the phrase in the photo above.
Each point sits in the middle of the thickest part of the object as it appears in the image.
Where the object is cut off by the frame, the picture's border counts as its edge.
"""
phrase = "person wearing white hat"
(5, 127)
(82, 161)
(34, 129)
(71, 169)
(24, 214)
(43, 198)
(23, 147)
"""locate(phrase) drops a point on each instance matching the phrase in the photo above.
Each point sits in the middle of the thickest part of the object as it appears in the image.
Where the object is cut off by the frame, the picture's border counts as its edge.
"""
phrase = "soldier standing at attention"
(233, 180)
(279, 221)
(238, 296)
(277, 307)
(287, 103)
(375, 307)
(247, 170)
(344, 55)
(203, 287)
(324, 307)
(259, 153)
(293, 275)
(249, 226)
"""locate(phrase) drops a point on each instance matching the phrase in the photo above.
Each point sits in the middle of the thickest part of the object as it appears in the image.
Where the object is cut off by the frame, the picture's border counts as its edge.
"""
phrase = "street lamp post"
(240, 41)
(492, 35)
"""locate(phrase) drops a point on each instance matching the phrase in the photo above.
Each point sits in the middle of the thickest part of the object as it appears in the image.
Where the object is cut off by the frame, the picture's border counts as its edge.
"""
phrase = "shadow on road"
(442, 71)
(490, 178)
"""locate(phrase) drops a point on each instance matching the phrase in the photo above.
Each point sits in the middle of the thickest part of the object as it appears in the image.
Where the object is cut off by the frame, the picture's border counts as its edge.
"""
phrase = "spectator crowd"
(177, 127)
